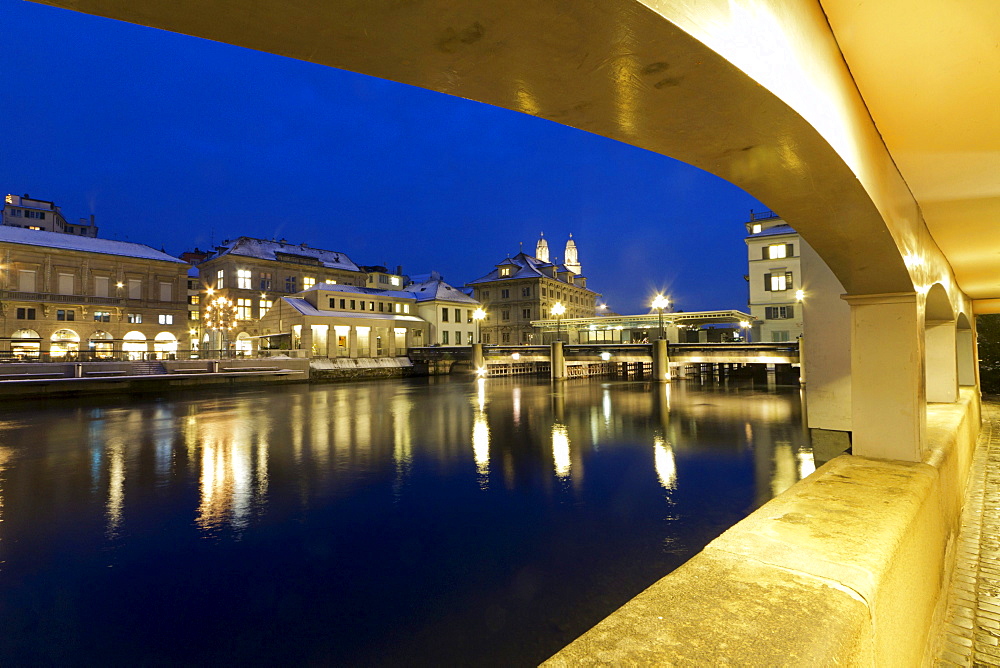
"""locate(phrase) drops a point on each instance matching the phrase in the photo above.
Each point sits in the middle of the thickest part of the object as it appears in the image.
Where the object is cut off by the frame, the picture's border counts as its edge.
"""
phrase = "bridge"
(590, 359)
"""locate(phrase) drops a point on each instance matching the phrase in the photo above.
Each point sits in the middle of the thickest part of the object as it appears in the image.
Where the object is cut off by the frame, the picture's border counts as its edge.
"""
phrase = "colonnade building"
(524, 288)
(70, 296)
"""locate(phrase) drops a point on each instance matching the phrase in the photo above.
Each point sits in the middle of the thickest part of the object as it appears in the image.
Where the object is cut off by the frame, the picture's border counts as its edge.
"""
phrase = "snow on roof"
(284, 252)
(435, 288)
(20, 235)
(305, 308)
(775, 230)
(529, 267)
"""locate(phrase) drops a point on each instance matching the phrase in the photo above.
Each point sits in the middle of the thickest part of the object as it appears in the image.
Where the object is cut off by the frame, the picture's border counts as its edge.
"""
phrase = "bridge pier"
(478, 359)
(661, 361)
(558, 361)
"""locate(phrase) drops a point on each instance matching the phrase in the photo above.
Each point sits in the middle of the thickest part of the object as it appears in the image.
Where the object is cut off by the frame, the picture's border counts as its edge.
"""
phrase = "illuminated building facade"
(64, 296)
(447, 310)
(774, 255)
(524, 288)
(41, 215)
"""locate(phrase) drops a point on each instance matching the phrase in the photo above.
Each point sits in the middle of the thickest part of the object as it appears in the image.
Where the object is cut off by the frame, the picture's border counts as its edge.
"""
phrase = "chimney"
(399, 269)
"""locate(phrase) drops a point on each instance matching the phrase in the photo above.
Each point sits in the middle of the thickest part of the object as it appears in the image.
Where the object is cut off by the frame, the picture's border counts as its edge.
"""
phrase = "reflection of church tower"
(542, 249)
(571, 261)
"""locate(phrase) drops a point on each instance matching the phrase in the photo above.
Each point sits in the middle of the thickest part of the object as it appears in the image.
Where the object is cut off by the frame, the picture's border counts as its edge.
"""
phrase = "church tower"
(571, 261)
(542, 249)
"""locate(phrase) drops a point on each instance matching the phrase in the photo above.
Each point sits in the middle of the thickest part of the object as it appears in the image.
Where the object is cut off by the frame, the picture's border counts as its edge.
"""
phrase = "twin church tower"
(570, 258)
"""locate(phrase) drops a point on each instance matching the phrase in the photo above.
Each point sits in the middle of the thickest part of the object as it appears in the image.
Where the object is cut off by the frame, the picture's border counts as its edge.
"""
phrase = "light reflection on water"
(459, 516)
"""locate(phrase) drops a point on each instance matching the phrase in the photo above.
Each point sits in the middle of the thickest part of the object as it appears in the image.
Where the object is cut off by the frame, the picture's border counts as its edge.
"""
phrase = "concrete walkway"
(971, 632)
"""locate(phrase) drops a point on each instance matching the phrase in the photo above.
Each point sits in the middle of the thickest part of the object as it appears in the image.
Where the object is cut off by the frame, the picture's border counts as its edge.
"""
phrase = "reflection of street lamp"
(220, 315)
(118, 330)
(558, 310)
(478, 315)
(659, 303)
(745, 325)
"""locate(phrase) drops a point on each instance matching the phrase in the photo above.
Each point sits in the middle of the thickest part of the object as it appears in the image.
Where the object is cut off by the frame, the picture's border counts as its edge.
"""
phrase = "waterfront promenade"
(970, 635)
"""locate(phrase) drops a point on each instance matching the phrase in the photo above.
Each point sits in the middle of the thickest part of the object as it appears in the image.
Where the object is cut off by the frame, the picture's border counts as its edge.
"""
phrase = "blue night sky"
(177, 142)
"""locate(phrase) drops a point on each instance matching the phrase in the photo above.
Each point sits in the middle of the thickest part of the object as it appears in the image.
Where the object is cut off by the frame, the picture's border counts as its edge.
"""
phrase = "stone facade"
(81, 297)
(774, 255)
(41, 215)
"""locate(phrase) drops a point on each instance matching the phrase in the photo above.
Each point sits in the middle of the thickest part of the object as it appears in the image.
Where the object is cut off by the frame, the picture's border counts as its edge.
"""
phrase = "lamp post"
(659, 303)
(558, 310)
(745, 326)
(479, 315)
(220, 315)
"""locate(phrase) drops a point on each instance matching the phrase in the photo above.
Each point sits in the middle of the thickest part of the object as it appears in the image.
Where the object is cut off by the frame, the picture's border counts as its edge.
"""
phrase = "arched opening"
(966, 351)
(25, 344)
(940, 361)
(134, 345)
(64, 343)
(244, 344)
(165, 346)
(102, 345)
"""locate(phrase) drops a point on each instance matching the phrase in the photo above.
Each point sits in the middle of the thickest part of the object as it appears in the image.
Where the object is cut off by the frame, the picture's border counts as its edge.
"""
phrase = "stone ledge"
(845, 567)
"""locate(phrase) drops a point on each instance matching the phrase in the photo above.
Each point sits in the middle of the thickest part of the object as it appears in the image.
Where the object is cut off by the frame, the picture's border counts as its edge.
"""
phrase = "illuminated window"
(194, 299)
(395, 280)
(194, 315)
(244, 309)
(263, 305)
(166, 319)
(220, 279)
(756, 229)
(504, 271)
(265, 280)
(308, 282)
(135, 318)
(243, 279)
(65, 314)
(371, 306)
(99, 316)
(778, 282)
(331, 281)
(406, 308)
(777, 251)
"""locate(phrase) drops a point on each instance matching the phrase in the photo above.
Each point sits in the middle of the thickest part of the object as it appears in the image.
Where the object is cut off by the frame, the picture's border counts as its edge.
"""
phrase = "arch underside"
(612, 67)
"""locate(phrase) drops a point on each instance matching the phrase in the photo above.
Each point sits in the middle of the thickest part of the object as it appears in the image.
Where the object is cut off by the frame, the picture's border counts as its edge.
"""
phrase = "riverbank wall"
(323, 370)
(847, 567)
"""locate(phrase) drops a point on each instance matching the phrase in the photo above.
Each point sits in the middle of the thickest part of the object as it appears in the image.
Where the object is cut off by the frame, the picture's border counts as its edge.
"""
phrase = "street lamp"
(558, 310)
(479, 315)
(745, 325)
(659, 303)
(220, 315)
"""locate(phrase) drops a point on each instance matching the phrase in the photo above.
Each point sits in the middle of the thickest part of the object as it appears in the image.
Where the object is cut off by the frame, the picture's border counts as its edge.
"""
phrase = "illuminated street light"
(659, 303)
(745, 325)
(220, 316)
(558, 310)
(479, 315)
(800, 295)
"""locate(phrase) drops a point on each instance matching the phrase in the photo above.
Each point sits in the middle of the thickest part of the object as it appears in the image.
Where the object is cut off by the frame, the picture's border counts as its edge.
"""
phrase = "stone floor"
(971, 633)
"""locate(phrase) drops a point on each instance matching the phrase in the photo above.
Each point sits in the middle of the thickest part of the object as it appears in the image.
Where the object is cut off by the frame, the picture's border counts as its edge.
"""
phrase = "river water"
(417, 522)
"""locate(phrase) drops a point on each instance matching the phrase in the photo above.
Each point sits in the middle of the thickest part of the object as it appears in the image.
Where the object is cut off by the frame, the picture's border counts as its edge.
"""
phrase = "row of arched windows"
(26, 343)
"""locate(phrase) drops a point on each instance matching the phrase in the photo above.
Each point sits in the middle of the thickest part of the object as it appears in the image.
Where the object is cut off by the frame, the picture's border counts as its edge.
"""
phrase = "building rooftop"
(526, 267)
(305, 308)
(353, 289)
(281, 251)
(19, 235)
(432, 286)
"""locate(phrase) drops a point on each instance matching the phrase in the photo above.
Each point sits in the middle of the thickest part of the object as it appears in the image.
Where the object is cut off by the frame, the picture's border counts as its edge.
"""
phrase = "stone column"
(557, 363)
(306, 340)
(390, 347)
(888, 412)
(661, 361)
(478, 359)
(940, 340)
(352, 342)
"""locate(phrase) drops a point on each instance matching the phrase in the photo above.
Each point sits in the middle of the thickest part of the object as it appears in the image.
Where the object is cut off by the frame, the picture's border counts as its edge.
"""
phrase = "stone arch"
(102, 344)
(244, 344)
(965, 343)
(134, 345)
(25, 343)
(63, 343)
(165, 345)
(940, 357)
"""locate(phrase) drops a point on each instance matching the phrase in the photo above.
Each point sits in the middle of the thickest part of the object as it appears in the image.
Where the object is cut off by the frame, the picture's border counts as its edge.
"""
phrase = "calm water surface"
(423, 522)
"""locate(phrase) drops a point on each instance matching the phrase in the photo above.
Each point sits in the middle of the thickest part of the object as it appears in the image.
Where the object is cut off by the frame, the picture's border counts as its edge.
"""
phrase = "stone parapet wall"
(846, 567)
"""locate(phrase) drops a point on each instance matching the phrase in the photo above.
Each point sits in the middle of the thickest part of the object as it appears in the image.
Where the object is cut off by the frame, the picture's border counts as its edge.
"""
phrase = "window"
(166, 319)
(486, 294)
(526, 313)
(779, 337)
(101, 284)
(70, 230)
(331, 281)
(458, 315)
(470, 341)
(755, 229)
(342, 304)
(777, 251)
(444, 337)
(505, 337)
(394, 280)
(194, 299)
(166, 291)
(243, 279)
(65, 314)
(308, 282)
(544, 292)
(244, 309)
(382, 278)
(101, 316)
(265, 280)
(444, 315)
(25, 314)
(779, 312)
(525, 337)
(65, 286)
(26, 280)
(371, 306)
(15, 212)
(526, 292)
(264, 304)
(381, 307)
(486, 337)
(504, 294)
(39, 215)
(361, 305)
(135, 288)
(291, 283)
(505, 315)
(194, 315)
(220, 279)
(458, 338)
(135, 318)
(406, 308)
(352, 305)
(776, 282)
(504, 271)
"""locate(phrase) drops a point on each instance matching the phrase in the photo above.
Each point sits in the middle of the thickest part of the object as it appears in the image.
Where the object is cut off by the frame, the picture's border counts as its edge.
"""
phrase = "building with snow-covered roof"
(31, 213)
(334, 320)
(251, 273)
(381, 278)
(75, 296)
(524, 288)
(447, 310)
(774, 252)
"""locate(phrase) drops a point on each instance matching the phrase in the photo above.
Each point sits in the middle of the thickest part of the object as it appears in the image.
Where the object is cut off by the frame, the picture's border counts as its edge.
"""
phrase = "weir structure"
(872, 129)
